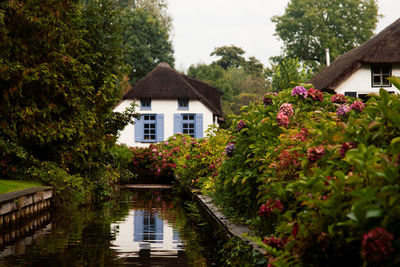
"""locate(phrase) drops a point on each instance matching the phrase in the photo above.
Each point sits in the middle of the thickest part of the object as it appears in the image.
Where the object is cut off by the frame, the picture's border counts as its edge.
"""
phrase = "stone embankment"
(18, 205)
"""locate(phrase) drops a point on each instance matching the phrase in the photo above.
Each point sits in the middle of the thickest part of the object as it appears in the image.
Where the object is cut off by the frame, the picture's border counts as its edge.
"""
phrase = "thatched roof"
(382, 48)
(163, 82)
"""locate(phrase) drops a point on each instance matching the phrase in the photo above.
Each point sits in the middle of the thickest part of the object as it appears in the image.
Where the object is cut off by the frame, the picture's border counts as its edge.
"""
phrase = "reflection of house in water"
(144, 234)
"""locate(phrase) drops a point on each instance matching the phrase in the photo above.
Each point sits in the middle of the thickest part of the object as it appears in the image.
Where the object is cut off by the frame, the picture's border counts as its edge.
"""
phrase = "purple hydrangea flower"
(229, 149)
(241, 125)
(300, 91)
(267, 101)
(342, 110)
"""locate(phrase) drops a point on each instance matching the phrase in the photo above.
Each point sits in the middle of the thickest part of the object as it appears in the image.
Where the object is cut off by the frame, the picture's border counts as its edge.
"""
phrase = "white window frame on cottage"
(378, 74)
(149, 128)
(185, 122)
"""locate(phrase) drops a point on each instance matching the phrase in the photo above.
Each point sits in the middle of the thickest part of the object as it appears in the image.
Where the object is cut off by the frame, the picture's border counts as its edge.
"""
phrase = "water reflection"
(149, 232)
(136, 228)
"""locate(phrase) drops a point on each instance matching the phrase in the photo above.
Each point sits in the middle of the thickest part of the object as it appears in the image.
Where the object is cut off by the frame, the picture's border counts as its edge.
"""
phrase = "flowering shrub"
(335, 170)
(377, 245)
(342, 110)
(241, 125)
(269, 207)
(286, 109)
(357, 105)
(315, 153)
(315, 94)
(299, 91)
(339, 98)
(229, 149)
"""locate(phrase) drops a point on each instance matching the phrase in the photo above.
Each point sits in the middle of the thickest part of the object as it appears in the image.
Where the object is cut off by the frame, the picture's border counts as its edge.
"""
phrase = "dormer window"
(145, 103)
(379, 73)
(183, 103)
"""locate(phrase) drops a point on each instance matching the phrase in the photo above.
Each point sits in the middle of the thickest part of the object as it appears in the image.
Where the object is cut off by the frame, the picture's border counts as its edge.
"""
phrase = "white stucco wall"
(360, 81)
(168, 107)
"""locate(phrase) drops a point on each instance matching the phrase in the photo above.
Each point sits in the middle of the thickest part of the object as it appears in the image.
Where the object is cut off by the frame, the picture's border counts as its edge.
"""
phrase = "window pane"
(191, 125)
(376, 70)
(153, 131)
(185, 131)
(377, 80)
(146, 117)
(185, 117)
(386, 69)
(185, 125)
(152, 126)
(191, 117)
(153, 137)
(384, 81)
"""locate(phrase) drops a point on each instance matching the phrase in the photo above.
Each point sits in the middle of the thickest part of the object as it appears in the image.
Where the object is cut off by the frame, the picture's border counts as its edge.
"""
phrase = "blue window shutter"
(160, 127)
(138, 130)
(199, 126)
(177, 123)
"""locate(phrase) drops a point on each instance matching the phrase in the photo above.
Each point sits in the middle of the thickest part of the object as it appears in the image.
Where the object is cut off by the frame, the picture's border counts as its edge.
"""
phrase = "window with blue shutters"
(191, 124)
(149, 128)
(188, 124)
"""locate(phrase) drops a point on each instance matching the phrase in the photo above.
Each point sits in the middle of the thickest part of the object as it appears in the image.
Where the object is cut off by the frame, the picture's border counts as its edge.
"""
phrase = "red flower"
(377, 245)
(315, 94)
(315, 153)
(345, 147)
(282, 119)
(295, 229)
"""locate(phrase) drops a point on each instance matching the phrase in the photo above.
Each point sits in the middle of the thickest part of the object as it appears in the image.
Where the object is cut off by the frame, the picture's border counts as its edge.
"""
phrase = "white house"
(363, 70)
(169, 102)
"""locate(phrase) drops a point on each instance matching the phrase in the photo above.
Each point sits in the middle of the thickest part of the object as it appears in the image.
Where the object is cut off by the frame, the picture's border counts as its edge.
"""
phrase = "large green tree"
(146, 40)
(229, 56)
(59, 79)
(308, 27)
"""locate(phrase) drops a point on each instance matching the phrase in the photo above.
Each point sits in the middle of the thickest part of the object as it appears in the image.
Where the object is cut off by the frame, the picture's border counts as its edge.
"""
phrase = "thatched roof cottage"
(170, 102)
(363, 70)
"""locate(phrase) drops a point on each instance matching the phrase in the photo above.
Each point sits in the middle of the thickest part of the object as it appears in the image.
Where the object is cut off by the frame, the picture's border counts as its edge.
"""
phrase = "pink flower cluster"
(315, 153)
(241, 125)
(357, 105)
(315, 94)
(377, 245)
(302, 136)
(285, 111)
(275, 242)
(300, 91)
(342, 110)
(345, 147)
(269, 207)
(339, 98)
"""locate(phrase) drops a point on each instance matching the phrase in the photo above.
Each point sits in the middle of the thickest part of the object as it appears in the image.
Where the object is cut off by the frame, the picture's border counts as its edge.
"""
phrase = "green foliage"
(146, 42)
(238, 84)
(308, 27)
(60, 74)
(286, 72)
(230, 56)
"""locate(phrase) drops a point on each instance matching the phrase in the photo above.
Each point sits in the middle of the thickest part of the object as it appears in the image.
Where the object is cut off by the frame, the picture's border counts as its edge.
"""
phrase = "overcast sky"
(202, 25)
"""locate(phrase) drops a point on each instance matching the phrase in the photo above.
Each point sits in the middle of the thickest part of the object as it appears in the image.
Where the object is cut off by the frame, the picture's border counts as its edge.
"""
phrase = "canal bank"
(22, 204)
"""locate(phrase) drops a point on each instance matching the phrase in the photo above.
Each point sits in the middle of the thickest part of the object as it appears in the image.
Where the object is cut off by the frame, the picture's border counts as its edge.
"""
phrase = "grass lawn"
(12, 185)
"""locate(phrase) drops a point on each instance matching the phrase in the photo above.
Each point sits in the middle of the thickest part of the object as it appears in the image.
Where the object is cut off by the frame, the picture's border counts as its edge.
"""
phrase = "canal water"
(138, 227)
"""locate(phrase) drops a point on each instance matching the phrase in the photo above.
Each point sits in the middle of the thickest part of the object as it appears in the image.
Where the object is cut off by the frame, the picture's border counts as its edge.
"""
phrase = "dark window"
(149, 127)
(352, 94)
(145, 103)
(188, 124)
(379, 73)
(364, 97)
(183, 103)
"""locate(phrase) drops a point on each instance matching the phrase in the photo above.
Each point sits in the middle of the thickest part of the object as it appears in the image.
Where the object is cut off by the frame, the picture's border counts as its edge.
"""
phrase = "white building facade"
(169, 103)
